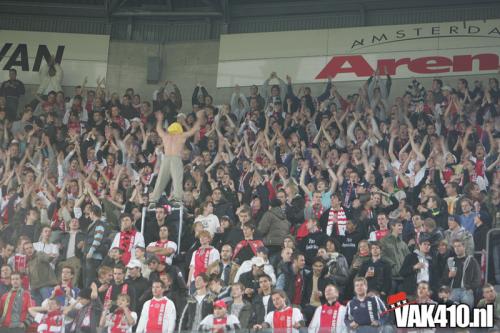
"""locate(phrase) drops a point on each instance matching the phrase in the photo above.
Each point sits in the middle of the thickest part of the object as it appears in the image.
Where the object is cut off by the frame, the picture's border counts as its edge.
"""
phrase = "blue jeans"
(41, 294)
(464, 296)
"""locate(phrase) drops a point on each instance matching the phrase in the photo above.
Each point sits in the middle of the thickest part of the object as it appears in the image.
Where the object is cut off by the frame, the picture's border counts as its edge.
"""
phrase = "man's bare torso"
(173, 144)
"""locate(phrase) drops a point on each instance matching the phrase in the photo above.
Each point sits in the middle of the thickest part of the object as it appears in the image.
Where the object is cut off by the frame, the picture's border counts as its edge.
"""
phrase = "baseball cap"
(220, 304)
(134, 263)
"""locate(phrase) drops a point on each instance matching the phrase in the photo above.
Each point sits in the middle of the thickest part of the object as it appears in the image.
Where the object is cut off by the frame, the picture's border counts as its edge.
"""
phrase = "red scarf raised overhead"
(52, 322)
(329, 317)
(156, 313)
(283, 319)
(201, 257)
(254, 245)
(336, 222)
(220, 321)
(127, 239)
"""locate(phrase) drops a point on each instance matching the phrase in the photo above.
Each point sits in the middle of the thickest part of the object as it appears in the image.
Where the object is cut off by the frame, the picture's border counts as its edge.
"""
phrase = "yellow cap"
(175, 128)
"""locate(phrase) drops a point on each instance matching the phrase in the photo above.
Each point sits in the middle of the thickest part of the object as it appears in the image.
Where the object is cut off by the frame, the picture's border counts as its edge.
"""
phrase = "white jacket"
(168, 318)
(340, 326)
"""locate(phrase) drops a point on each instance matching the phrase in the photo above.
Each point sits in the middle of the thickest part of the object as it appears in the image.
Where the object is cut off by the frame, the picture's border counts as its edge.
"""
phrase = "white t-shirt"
(210, 223)
(265, 300)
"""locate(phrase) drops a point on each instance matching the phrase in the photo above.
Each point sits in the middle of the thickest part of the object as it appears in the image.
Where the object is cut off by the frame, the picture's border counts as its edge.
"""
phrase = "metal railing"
(181, 216)
(488, 245)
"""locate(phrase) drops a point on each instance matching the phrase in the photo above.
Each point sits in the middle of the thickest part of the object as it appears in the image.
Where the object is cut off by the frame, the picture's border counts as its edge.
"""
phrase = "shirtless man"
(171, 165)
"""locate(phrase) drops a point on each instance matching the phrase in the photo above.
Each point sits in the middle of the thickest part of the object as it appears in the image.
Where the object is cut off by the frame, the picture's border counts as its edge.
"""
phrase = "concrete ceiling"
(226, 9)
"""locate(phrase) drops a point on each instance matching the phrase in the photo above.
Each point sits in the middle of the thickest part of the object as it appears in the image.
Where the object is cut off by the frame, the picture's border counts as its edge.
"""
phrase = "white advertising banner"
(80, 55)
(351, 54)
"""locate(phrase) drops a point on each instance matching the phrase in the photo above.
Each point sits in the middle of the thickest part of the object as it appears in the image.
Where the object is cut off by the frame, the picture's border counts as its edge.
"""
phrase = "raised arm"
(159, 124)
(415, 147)
(196, 126)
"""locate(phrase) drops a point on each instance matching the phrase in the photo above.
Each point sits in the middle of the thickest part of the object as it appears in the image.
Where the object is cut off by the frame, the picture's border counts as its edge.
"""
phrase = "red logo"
(397, 300)
(359, 66)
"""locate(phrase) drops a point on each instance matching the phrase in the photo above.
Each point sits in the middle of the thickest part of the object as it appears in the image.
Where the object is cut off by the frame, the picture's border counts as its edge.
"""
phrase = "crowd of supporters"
(298, 211)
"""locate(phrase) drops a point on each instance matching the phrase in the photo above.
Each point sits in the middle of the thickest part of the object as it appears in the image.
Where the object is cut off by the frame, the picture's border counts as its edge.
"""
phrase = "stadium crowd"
(298, 211)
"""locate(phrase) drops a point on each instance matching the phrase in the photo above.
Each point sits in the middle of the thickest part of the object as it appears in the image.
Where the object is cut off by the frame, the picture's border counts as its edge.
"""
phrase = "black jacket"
(440, 215)
(480, 237)
(188, 313)
(383, 274)
(287, 279)
(259, 311)
(140, 286)
(471, 272)
(410, 275)
(63, 241)
(308, 287)
(224, 208)
(250, 281)
(295, 211)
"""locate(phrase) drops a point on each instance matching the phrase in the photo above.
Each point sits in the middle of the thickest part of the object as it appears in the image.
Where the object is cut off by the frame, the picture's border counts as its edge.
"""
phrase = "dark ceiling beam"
(51, 9)
(227, 10)
(142, 13)
(328, 6)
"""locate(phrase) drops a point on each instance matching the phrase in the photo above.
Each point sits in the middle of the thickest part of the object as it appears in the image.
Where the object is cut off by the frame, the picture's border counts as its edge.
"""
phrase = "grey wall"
(183, 63)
